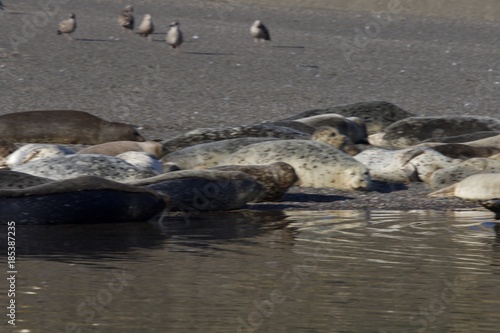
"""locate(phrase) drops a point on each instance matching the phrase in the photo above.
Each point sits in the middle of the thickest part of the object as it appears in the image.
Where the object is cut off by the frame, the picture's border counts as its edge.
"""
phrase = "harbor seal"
(18, 180)
(376, 114)
(35, 151)
(464, 151)
(333, 137)
(317, 164)
(492, 141)
(353, 127)
(275, 178)
(204, 190)
(482, 186)
(63, 126)
(71, 166)
(414, 130)
(81, 200)
(142, 160)
(464, 137)
(455, 173)
(204, 135)
(117, 147)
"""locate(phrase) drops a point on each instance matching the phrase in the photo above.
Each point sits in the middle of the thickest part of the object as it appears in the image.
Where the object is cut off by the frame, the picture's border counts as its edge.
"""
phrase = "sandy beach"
(425, 59)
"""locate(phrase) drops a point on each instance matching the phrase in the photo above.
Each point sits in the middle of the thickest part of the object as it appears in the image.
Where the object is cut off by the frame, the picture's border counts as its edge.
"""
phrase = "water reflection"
(267, 271)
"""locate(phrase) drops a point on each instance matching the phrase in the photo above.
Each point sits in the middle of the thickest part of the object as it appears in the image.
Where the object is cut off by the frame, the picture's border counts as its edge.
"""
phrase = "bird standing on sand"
(259, 31)
(126, 18)
(174, 35)
(67, 26)
(146, 28)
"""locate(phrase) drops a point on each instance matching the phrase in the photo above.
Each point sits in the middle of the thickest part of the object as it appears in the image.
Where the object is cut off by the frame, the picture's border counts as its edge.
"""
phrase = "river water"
(262, 271)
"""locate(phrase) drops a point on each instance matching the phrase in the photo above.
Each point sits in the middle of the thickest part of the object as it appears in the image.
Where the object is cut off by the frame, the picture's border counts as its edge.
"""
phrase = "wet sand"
(427, 60)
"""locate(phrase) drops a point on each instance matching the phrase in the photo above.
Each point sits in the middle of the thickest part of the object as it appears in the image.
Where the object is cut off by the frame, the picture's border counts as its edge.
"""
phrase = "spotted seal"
(204, 190)
(80, 200)
(403, 165)
(117, 147)
(204, 135)
(376, 114)
(455, 173)
(142, 160)
(333, 137)
(63, 126)
(71, 166)
(353, 127)
(275, 178)
(317, 164)
(482, 186)
(414, 130)
(36, 151)
(208, 154)
(464, 137)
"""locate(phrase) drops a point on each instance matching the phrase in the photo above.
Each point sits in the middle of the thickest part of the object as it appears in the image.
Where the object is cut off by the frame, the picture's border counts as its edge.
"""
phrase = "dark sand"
(426, 59)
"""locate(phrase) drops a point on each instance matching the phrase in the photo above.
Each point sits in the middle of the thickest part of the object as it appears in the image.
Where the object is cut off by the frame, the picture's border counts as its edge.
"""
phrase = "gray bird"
(174, 35)
(67, 26)
(259, 31)
(147, 27)
(126, 18)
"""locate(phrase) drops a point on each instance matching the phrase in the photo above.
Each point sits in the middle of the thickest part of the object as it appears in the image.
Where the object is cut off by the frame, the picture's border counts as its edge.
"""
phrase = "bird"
(67, 26)
(174, 35)
(126, 18)
(147, 27)
(259, 31)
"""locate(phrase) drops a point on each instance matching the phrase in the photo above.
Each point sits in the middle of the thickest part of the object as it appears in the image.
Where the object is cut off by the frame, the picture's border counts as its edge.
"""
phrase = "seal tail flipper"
(444, 192)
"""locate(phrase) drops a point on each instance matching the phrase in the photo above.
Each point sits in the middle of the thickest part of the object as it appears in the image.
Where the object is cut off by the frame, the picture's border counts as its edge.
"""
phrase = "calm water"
(333, 271)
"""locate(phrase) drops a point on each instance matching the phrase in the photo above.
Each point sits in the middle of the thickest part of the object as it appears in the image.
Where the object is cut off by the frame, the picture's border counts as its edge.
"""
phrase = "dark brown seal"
(63, 126)
(493, 205)
(81, 200)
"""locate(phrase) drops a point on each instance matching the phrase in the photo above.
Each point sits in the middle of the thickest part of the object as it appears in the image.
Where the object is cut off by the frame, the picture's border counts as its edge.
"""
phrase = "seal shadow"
(96, 40)
(387, 187)
(211, 53)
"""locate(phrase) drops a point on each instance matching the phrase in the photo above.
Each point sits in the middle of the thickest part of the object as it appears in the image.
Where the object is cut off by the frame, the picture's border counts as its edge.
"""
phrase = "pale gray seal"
(17, 180)
(317, 164)
(376, 114)
(67, 26)
(147, 27)
(63, 126)
(71, 166)
(35, 151)
(126, 18)
(482, 186)
(204, 190)
(275, 178)
(259, 31)
(204, 135)
(117, 147)
(414, 130)
(174, 35)
(208, 154)
(455, 173)
(82, 200)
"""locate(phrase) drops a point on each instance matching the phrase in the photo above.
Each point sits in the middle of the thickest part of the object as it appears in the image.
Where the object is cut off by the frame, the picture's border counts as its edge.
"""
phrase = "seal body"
(63, 126)
(376, 114)
(81, 200)
(117, 147)
(204, 190)
(352, 127)
(18, 180)
(205, 135)
(35, 151)
(333, 137)
(414, 130)
(317, 164)
(71, 166)
(483, 186)
(453, 174)
(275, 178)
(209, 154)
